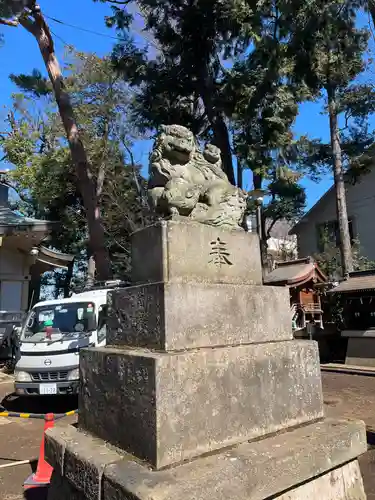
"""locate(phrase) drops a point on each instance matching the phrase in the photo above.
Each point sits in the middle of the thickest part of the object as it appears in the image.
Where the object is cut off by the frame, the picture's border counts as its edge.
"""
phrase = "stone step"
(178, 316)
(169, 407)
(349, 369)
(319, 458)
(179, 252)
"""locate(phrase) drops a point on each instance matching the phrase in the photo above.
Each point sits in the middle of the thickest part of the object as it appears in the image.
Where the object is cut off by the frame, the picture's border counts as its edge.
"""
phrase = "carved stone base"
(182, 252)
(213, 315)
(314, 462)
(169, 407)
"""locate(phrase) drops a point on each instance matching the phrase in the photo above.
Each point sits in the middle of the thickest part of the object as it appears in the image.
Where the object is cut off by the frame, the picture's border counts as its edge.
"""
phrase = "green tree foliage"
(184, 83)
(263, 94)
(329, 259)
(329, 59)
(287, 201)
(234, 72)
(11, 8)
(229, 80)
(44, 174)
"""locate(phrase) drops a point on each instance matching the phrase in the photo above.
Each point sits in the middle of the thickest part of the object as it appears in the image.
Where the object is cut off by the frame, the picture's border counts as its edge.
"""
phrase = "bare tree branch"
(101, 172)
(10, 22)
(120, 2)
(136, 181)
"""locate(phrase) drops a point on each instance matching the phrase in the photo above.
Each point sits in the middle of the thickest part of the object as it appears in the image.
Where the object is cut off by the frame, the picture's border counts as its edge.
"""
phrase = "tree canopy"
(234, 72)
(240, 78)
(44, 173)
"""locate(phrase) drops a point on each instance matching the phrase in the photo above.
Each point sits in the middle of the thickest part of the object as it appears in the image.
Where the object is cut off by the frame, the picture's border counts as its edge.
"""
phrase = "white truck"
(52, 335)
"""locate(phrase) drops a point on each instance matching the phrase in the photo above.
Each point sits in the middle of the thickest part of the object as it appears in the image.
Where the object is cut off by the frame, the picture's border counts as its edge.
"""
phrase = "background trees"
(332, 59)
(235, 72)
(27, 13)
(44, 174)
(229, 81)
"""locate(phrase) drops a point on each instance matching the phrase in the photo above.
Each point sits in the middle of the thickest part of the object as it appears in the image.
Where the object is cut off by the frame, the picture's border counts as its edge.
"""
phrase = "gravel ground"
(353, 396)
(20, 438)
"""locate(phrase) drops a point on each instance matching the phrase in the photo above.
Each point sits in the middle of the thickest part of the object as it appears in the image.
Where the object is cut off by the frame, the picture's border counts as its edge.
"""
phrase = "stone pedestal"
(202, 393)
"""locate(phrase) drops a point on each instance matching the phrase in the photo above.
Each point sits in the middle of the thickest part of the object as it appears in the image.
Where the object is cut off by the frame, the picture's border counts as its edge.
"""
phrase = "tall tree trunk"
(221, 140)
(68, 279)
(90, 280)
(371, 8)
(91, 264)
(239, 174)
(219, 127)
(37, 26)
(57, 289)
(338, 173)
(261, 223)
(35, 286)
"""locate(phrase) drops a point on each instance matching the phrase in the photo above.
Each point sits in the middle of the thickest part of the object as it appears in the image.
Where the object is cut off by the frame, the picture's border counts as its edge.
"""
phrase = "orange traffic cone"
(42, 476)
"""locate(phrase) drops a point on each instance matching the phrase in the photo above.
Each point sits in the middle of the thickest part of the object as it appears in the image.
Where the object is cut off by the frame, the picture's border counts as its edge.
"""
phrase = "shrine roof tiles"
(295, 273)
(357, 281)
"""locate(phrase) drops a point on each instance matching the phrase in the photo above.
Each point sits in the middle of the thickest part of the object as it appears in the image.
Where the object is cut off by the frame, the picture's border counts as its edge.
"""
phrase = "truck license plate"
(47, 389)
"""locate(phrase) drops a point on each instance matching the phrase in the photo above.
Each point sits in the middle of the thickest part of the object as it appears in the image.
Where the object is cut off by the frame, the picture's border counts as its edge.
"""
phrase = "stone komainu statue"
(184, 182)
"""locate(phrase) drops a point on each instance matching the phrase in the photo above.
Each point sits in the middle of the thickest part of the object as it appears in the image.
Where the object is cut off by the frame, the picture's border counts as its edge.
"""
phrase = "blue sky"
(20, 54)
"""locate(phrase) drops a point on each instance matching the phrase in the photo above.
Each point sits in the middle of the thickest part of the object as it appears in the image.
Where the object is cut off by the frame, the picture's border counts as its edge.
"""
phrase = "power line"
(59, 38)
(92, 32)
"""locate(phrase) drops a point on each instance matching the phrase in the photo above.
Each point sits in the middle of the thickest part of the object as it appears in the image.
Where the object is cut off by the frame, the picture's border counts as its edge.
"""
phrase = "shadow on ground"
(36, 494)
(370, 438)
(53, 404)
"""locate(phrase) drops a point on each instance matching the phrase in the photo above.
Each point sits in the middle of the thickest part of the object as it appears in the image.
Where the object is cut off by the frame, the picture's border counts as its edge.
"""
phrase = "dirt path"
(20, 439)
(353, 396)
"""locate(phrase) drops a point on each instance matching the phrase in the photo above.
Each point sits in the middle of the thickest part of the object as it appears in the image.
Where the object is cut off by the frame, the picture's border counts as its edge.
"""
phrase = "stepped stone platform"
(311, 455)
(202, 392)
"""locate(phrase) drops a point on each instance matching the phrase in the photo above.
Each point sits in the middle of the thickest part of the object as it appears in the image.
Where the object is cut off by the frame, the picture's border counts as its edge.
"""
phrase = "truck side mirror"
(102, 316)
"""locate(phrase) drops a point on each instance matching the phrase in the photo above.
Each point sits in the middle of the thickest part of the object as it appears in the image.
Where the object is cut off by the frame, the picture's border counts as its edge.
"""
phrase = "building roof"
(294, 273)
(11, 221)
(280, 230)
(12, 226)
(304, 219)
(357, 281)
(369, 154)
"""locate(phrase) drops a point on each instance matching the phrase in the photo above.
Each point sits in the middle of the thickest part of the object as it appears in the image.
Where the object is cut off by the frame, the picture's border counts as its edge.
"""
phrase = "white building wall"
(361, 209)
(14, 280)
(282, 245)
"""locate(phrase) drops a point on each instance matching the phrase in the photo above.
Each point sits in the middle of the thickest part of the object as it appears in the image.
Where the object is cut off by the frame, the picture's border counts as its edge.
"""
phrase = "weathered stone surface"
(79, 459)
(176, 316)
(289, 465)
(344, 483)
(54, 449)
(251, 471)
(169, 407)
(61, 489)
(172, 251)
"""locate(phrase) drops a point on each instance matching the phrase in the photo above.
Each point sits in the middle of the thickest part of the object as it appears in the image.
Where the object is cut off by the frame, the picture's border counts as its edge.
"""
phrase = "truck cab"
(52, 336)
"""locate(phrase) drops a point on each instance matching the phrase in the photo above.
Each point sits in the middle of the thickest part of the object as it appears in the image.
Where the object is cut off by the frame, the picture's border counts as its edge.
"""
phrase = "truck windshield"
(50, 322)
